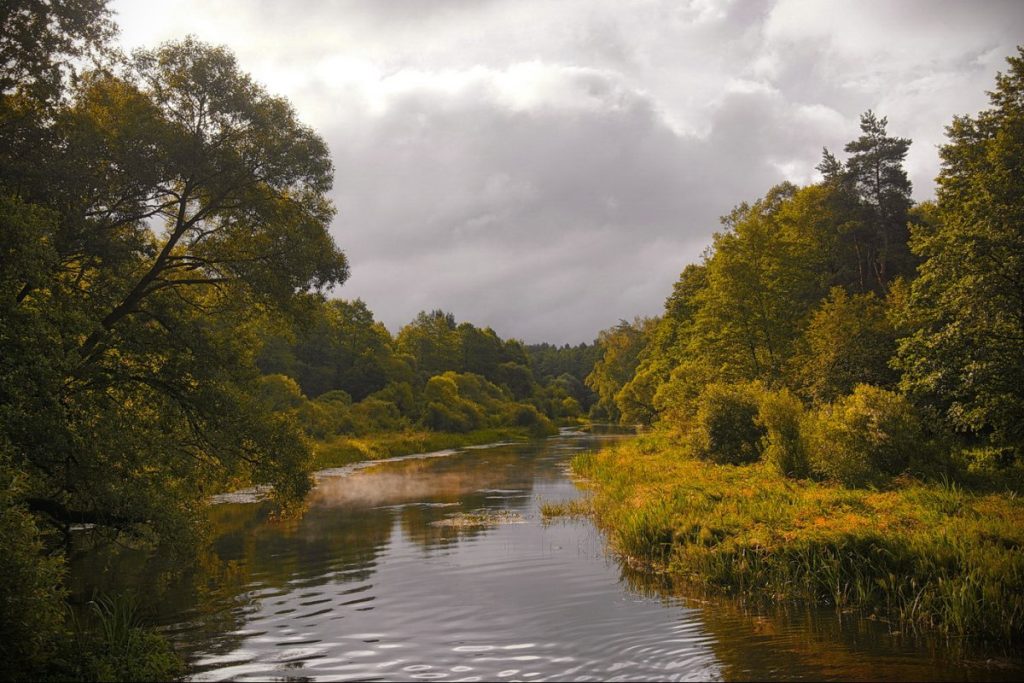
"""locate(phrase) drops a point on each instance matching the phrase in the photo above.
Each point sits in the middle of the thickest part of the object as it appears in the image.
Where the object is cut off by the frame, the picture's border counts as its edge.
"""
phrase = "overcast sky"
(547, 167)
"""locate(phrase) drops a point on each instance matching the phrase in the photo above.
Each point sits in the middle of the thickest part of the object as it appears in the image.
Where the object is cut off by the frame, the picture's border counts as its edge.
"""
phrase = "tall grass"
(111, 643)
(922, 555)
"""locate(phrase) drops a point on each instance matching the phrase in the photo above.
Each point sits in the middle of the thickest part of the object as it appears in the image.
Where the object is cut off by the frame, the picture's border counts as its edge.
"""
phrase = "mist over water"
(376, 582)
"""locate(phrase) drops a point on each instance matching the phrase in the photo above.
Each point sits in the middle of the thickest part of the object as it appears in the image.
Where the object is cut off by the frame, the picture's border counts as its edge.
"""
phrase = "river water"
(441, 568)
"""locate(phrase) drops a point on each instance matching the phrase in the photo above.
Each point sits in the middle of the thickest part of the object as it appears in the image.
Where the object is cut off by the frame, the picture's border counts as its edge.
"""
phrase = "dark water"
(376, 582)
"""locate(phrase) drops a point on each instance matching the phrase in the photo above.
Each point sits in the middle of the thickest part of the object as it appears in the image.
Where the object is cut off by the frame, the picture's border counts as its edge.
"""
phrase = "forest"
(831, 404)
(836, 391)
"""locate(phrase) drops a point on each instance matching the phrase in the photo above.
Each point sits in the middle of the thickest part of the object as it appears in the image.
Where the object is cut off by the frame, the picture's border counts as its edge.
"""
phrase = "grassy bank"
(346, 450)
(918, 554)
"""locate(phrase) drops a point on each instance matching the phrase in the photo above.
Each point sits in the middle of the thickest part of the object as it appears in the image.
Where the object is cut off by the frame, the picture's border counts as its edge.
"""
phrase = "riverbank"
(932, 555)
(346, 450)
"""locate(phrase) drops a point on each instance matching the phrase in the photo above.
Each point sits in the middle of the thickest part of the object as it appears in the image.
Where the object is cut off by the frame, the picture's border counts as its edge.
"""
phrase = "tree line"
(843, 330)
(165, 330)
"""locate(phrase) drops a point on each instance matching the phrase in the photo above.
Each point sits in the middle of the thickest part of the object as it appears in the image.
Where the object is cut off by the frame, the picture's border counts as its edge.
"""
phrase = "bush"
(379, 415)
(726, 429)
(115, 646)
(31, 597)
(525, 415)
(864, 438)
(782, 417)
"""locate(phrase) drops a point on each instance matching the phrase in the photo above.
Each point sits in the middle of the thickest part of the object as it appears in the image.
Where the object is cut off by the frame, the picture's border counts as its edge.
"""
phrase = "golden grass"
(919, 553)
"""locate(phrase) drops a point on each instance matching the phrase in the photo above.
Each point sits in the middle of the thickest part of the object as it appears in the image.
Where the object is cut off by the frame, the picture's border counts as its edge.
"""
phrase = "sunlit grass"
(920, 554)
(577, 507)
(346, 450)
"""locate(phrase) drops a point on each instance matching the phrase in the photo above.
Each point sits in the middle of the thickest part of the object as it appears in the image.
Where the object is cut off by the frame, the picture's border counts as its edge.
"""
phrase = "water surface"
(382, 580)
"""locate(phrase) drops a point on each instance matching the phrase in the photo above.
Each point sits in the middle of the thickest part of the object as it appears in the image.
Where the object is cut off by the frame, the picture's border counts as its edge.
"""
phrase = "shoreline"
(929, 557)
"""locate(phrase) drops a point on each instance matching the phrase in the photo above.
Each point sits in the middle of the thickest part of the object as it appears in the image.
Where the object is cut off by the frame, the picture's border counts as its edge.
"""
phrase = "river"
(442, 568)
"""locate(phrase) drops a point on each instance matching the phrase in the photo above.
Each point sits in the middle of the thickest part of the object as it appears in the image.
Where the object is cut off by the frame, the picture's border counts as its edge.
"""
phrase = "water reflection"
(367, 585)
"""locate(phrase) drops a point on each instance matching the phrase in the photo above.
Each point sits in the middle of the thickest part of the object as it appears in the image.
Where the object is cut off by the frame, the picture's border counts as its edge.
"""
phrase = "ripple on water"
(368, 589)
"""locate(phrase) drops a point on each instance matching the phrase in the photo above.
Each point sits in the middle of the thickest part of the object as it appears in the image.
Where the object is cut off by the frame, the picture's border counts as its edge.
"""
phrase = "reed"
(936, 555)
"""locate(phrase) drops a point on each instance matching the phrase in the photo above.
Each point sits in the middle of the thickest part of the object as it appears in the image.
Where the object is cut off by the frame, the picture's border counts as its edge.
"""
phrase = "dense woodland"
(837, 391)
(166, 330)
(849, 300)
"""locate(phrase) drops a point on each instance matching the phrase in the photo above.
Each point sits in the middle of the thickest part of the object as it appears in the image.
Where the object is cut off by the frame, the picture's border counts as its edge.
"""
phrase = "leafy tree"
(30, 581)
(41, 39)
(763, 277)
(620, 354)
(433, 340)
(849, 341)
(338, 345)
(665, 350)
(129, 348)
(726, 429)
(969, 295)
(482, 350)
(865, 437)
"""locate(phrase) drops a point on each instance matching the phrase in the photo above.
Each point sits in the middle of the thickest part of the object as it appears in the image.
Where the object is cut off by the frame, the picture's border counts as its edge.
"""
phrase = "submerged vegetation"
(836, 392)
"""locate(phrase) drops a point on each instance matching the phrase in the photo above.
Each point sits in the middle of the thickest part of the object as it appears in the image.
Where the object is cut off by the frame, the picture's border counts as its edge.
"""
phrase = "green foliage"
(446, 410)
(763, 277)
(525, 415)
(337, 346)
(377, 415)
(968, 300)
(866, 437)
(875, 236)
(849, 341)
(434, 341)
(726, 429)
(782, 416)
(280, 392)
(620, 348)
(116, 647)
(31, 596)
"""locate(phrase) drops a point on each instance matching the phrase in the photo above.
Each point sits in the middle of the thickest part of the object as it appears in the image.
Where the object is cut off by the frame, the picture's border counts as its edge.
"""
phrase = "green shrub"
(864, 438)
(726, 429)
(782, 416)
(379, 416)
(525, 415)
(115, 646)
(31, 597)
(457, 415)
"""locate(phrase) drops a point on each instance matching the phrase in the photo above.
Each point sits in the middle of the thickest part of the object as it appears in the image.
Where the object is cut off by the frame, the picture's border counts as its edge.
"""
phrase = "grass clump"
(934, 555)
(577, 507)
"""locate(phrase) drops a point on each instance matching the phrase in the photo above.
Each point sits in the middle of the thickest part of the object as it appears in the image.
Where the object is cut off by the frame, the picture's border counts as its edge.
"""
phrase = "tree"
(849, 341)
(620, 354)
(337, 345)
(763, 277)
(969, 295)
(433, 340)
(874, 175)
(188, 205)
(665, 350)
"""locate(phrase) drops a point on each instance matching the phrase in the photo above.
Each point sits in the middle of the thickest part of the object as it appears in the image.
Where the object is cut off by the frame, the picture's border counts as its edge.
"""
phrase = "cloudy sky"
(547, 167)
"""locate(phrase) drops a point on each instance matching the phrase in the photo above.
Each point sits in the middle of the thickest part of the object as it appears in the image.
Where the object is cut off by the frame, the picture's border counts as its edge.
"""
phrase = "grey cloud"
(549, 167)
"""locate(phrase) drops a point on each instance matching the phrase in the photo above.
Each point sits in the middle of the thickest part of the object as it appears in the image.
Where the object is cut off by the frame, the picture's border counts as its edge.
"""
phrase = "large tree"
(968, 354)
(182, 206)
(874, 235)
